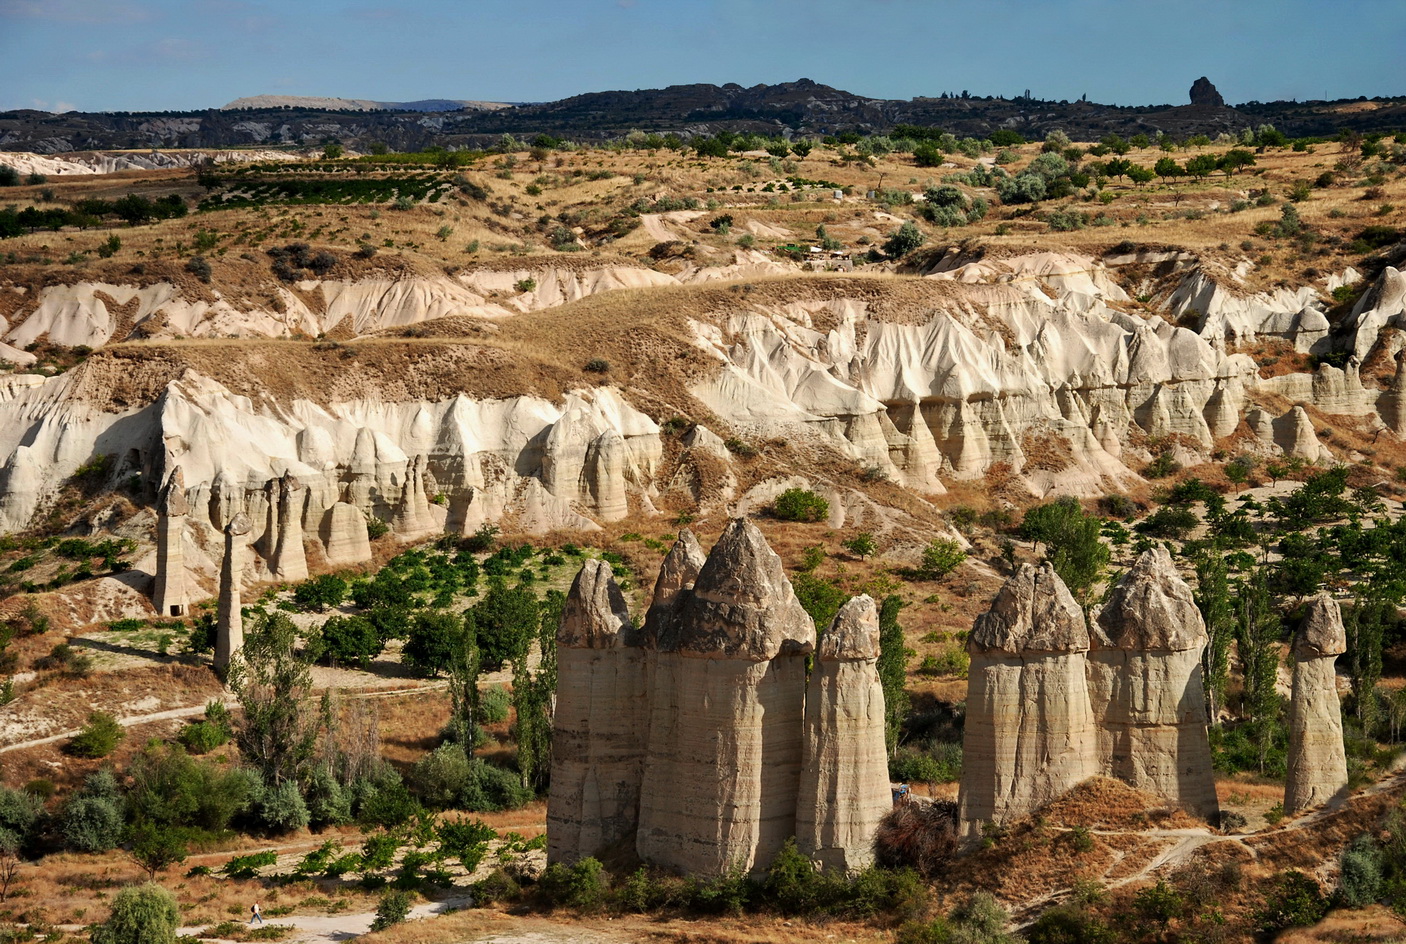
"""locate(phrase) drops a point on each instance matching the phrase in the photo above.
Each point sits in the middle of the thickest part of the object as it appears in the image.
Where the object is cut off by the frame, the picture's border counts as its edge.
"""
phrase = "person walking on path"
(258, 915)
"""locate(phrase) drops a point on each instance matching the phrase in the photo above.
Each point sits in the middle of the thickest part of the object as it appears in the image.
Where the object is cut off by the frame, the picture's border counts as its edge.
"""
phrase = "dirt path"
(323, 929)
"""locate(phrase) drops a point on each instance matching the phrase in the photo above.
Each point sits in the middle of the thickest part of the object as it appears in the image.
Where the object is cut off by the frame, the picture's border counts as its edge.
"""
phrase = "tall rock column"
(287, 559)
(169, 595)
(722, 791)
(844, 774)
(601, 721)
(229, 621)
(1145, 682)
(412, 517)
(1030, 733)
(1317, 761)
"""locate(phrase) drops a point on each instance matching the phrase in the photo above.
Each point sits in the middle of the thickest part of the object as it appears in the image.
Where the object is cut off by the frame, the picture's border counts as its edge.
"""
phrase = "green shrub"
(493, 704)
(1294, 900)
(497, 886)
(98, 738)
(247, 866)
(466, 840)
(393, 908)
(141, 914)
(1360, 883)
(328, 803)
(349, 640)
(799, 504)
(581, 886)
(939, 763)
(383, 800)
(940, 558)
(320, 593)
(1069, 924)
(93, 822)
(202, 737)
(281, 809)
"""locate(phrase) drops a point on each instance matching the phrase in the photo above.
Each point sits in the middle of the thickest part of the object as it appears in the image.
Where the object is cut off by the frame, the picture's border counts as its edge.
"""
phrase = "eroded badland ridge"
(660, 503)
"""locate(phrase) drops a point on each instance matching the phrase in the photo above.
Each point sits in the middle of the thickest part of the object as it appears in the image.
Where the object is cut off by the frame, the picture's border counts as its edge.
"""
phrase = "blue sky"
(101, 55)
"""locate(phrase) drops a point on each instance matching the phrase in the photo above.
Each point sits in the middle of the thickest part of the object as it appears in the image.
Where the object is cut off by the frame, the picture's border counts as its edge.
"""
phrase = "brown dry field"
(1153, 214)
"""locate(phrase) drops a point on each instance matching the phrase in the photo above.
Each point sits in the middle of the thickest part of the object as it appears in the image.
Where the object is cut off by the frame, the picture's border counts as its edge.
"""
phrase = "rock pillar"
(1317, 762)
(412, 515)
(600, 724)
(169, 595)
(844, 774)
(1030, 733)
(722, 792)
(287, 560)
(1146, 687)
(229, 621)
(344, 535)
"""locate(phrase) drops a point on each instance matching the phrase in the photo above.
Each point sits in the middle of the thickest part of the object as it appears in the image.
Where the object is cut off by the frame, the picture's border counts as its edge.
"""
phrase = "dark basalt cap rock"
(1204, 93)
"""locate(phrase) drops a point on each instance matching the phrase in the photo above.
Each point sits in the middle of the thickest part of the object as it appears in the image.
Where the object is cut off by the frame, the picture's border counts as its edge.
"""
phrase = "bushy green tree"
(503, 624)
(1071, 539)
(276, 733)
(99, 736)
(19, 815)
(141, 914)
(93, 819)
(534, 693)
(799, 504)
(940, 557)
(893, 669)
(903, 240)
(433, 641)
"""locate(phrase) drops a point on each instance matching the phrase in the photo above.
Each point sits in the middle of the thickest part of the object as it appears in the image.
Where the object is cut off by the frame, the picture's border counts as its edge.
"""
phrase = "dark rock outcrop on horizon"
(1204, 93)
(800, 107)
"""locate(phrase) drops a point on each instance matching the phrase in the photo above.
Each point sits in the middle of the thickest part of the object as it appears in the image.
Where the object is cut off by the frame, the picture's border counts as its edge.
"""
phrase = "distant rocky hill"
(800, 107)
(358, 104)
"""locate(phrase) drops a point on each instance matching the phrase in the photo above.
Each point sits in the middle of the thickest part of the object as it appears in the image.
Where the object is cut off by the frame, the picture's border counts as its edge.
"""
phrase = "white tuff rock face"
(229, 621)
(1029, 731)
(1146, 688)
(598, 738)
(1317, 759)
(844, 773)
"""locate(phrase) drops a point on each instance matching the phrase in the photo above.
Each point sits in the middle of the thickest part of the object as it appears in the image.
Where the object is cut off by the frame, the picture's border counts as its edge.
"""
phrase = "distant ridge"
(802, 107)
(357, 104)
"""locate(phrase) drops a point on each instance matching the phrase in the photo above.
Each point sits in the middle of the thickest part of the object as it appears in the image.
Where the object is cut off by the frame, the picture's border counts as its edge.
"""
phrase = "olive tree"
(141, 914)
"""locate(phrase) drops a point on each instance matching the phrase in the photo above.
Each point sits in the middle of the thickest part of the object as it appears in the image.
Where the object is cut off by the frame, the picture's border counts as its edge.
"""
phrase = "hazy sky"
(97, 55)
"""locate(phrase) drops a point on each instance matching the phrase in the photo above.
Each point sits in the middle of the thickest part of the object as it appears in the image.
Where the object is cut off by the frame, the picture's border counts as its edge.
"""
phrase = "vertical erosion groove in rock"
(229, 621)
(1317, 762)
(600, 723)
(287, 560)
(677, 575)
(1146, 688)
(722, 792)
(1029, 730)
(844, 773)
(169, 594)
